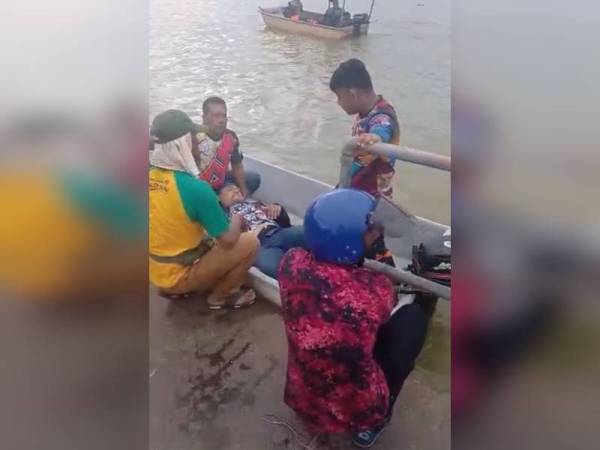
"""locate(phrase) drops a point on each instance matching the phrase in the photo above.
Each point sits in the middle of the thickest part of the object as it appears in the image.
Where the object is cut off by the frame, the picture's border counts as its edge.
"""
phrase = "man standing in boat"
(293, 10)
(334, 14)
(376, 121)
(219, 149)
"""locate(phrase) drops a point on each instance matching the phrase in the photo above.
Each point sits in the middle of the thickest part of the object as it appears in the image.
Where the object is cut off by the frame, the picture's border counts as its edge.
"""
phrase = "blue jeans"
(274, 246)
(252, 180)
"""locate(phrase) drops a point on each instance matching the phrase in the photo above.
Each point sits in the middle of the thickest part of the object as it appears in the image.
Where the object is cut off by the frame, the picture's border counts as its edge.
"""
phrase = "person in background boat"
(219, 148)
(293, 10)
(334, 14)
(193, 246)
(348, 355)
(271, 223)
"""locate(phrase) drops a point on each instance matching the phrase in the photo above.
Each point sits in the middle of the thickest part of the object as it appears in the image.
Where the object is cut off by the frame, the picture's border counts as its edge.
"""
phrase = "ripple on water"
(276, 84)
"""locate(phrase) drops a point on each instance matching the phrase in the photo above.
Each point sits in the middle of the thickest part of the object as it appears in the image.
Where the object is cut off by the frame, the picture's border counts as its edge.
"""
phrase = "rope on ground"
(274, 420)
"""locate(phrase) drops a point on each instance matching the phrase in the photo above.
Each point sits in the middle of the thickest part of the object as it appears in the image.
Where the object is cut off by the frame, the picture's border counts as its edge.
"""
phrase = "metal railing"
(407, 154)
(419, 157)
(403, 276)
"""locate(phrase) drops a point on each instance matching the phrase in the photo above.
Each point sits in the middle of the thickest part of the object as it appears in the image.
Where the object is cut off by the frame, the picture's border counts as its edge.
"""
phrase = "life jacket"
(386, 108)
(381, 107)
(376, 177)
(214, 173)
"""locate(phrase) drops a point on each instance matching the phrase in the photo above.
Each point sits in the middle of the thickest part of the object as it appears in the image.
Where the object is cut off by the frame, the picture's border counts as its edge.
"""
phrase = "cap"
(173, 124)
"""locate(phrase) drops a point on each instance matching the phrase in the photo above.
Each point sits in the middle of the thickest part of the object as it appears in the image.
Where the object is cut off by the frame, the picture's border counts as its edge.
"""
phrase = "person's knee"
(410, 314)
(268, 266)
(247, 245)
(298, 233)
(407, 330)
(267, 261)
(295, 237)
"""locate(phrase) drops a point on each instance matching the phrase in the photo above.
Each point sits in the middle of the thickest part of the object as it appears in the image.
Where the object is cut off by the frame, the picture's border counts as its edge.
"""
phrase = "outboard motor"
(432, 260)
(357, 21)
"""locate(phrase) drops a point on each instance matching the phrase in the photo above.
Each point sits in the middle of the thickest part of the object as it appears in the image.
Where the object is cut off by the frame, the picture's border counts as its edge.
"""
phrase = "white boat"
(311, 24)
(295, 192)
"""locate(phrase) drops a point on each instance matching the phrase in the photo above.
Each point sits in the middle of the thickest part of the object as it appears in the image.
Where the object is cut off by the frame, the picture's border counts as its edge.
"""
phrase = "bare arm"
(231, 236)
(240, 177)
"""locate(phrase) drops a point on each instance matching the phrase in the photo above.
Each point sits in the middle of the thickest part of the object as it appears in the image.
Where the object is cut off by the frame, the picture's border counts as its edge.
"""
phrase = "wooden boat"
(310, 24)
(295, 192)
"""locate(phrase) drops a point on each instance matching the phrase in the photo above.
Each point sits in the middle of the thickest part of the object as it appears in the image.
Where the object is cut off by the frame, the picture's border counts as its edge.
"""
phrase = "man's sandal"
(240, 299)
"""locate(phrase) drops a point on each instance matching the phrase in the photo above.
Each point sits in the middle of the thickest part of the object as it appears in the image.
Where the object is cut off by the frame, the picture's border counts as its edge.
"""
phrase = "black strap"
(187, 257)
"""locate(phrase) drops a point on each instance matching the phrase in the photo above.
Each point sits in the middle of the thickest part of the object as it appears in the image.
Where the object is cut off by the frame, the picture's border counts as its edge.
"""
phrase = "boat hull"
(274, 20)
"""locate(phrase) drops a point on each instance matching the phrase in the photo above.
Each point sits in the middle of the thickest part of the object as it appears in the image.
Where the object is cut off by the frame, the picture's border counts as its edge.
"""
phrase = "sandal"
(240, 299)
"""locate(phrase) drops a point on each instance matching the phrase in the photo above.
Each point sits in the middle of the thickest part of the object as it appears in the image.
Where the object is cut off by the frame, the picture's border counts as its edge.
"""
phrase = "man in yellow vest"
(193, 246)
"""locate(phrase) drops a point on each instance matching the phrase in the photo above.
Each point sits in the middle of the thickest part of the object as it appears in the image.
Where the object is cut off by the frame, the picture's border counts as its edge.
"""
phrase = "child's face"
(230, 195)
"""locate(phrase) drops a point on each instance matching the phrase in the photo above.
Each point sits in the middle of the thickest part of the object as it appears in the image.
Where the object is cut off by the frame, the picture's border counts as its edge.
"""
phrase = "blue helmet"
(335, 224)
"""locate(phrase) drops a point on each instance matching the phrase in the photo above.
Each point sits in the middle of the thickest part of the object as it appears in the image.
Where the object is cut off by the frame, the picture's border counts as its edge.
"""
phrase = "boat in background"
(311, 23)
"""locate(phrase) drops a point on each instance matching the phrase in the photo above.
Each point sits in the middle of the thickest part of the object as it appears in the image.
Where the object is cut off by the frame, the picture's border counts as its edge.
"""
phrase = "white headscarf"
(176, 155)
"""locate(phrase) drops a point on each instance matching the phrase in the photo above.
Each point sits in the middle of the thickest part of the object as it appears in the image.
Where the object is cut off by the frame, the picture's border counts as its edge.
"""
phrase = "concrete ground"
(215, 375)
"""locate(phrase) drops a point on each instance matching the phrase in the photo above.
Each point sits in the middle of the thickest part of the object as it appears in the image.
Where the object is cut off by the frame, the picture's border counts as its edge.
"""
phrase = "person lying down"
(270, 222)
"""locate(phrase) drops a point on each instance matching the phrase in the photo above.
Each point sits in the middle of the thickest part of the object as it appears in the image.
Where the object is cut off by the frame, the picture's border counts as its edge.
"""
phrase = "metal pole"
(433, 160)
(371, 10)
(402, 276)
(399, 276)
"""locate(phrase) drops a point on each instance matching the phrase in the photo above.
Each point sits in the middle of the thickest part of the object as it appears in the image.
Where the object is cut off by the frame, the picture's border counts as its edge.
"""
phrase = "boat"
(311, 23)
(295, 192)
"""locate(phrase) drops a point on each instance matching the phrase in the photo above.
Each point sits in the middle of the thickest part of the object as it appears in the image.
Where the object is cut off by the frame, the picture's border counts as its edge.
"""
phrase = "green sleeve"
(201, 204)
(109, 204)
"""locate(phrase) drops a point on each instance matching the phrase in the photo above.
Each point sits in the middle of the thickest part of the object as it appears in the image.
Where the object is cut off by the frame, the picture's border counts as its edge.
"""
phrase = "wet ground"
(215, 375)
